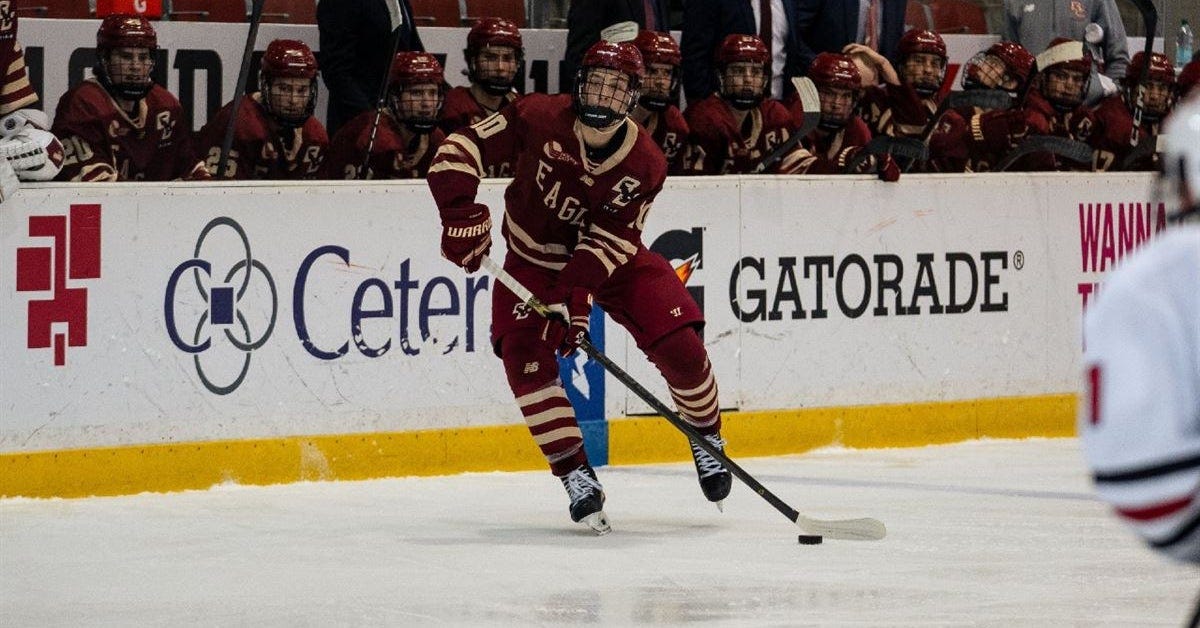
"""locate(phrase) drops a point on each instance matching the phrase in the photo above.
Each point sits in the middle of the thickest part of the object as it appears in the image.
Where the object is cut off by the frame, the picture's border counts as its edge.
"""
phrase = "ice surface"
(993, 533)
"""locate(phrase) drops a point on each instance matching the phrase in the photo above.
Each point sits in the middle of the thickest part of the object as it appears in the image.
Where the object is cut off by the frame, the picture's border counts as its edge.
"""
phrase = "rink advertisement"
(295, 331)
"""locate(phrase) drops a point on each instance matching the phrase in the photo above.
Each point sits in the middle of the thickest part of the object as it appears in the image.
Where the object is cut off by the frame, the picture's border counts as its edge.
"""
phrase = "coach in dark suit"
(587, 18)
(706, 23)
(356, 38)
(828, 25)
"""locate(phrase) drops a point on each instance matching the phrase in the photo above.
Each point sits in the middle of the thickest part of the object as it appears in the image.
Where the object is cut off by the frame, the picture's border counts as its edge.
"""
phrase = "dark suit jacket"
(356, 38)
(587, 18)
(706, 23)
(828, 25)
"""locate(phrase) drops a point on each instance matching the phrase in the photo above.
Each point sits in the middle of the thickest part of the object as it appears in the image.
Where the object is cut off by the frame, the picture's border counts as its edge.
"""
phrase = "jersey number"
(490, 126)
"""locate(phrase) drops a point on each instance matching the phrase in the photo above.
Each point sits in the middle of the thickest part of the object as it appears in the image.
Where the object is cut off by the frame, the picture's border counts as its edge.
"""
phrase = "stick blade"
(865, 529)
(810, 100)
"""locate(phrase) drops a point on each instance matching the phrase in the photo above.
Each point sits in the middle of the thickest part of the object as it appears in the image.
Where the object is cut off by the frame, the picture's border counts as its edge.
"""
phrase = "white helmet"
(1179, 181)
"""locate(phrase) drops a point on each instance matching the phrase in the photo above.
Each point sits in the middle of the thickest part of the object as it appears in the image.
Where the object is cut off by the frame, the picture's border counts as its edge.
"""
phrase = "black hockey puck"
(810, 539)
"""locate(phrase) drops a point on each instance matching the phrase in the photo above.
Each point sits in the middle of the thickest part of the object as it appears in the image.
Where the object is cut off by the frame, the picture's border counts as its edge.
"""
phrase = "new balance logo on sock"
(530, 367)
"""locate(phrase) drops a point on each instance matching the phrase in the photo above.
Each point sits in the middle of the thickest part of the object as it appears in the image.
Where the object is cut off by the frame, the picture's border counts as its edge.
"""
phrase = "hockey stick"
(1150, 22)
(1143, 150)
(239, 92)
(865, 529)
(810, 102)
(396, 14)
(1073, 150)
(909, 148)
(982, 98)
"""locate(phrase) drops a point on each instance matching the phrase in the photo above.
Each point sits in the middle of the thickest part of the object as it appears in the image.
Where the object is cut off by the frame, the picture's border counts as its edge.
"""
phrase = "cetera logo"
(74, 254)
(223, 299)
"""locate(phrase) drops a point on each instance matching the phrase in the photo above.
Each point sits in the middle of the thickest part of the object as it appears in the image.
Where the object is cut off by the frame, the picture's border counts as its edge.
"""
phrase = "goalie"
(28, 152)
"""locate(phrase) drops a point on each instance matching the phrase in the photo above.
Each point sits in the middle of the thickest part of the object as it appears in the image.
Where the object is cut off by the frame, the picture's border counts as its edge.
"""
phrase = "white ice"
(993, 533)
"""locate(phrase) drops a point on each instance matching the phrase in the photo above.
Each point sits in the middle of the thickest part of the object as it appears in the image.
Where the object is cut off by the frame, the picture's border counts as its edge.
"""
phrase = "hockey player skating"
(586, 176)
(276, 135)
(1140, 418)
(28, 152)
(119, 125)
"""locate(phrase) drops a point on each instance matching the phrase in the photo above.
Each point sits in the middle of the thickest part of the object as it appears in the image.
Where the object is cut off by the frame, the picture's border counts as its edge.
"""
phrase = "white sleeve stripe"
(523, 237)
(443, 166)
(470, 148)
(616, 240)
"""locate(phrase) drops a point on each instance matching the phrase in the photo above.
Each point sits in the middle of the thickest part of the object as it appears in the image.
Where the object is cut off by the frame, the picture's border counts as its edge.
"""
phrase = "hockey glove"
(8, 181)
(34, 154)
(466, 235)
(569, 322)
(881, 164)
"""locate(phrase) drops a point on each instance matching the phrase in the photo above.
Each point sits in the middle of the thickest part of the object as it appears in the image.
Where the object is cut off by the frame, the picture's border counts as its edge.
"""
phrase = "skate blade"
(598, 522)
(720, 503)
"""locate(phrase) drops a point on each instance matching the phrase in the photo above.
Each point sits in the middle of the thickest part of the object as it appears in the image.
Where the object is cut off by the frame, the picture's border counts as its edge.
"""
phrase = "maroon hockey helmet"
(123, 76)
(1159, 100)
(836, 76)
(288, 58)
(658, 47)
(622, 56)
(1004, 65)
(742, 49)
(411, 69)
(921, 40)
(1016, 58)
(121, 30)
(599, 103)
(493, 31)
(414, 68)
(494, 73)
(834, 69)
(1161, 69)
(661, 50)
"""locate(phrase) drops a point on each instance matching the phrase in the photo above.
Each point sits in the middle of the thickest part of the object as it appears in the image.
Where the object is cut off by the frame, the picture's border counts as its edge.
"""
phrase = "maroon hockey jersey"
(1112, 133)
(561, 205)
(461, 109)
(262, 148)
(1076, 124)
(18, 91)
(102, 143)
(717, 146)
(390, 157)
(669, 130)
(830, 153)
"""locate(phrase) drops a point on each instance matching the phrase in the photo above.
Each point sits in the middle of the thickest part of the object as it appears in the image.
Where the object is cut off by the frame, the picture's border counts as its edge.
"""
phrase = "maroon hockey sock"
(683, 361)
(532, 372)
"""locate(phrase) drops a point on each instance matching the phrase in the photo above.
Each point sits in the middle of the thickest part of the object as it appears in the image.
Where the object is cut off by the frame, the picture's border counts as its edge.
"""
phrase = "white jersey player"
(1140, 415)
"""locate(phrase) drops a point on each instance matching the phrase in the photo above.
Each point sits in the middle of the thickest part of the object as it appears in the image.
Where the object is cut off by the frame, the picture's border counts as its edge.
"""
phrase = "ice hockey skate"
(587, 499)
(715, 479)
